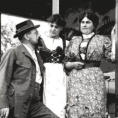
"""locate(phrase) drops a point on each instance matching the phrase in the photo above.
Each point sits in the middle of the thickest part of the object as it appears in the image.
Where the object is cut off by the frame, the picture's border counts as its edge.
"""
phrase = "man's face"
(33, 36)
(54, 30)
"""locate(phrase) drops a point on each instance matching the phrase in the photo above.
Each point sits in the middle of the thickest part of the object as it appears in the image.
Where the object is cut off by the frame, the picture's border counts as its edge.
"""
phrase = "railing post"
(116, 70)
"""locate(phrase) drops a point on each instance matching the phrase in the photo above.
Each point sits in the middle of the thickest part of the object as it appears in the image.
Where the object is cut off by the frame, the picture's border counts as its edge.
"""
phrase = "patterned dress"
(86, 96)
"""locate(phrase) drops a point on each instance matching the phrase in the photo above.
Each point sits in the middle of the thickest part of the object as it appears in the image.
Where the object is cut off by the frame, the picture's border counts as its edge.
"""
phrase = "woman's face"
(54, 30)
(86, 26)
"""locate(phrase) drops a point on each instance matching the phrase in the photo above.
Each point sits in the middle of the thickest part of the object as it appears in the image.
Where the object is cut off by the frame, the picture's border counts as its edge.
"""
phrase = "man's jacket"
(17, 79)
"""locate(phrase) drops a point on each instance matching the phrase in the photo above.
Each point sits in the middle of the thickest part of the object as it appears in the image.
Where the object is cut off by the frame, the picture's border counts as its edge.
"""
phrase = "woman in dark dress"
(86, 92)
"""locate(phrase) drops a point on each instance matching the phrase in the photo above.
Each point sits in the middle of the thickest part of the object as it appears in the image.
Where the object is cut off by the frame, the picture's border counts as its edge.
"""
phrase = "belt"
(53, 61)
(89, 64)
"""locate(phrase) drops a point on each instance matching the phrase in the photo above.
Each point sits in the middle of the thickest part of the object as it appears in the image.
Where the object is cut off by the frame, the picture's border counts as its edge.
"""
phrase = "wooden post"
(0, 40)
(116, 70)
(55, 6)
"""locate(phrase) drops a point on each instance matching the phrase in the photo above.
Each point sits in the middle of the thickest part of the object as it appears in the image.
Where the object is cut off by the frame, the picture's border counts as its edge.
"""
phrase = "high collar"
(86, 36)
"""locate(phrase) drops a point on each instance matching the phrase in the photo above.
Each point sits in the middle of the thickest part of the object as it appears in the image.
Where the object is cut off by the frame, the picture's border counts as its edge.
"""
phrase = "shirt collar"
(28, 48)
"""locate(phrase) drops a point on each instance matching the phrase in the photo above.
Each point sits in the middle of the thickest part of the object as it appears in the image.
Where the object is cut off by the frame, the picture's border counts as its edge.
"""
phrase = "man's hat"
(24, 27)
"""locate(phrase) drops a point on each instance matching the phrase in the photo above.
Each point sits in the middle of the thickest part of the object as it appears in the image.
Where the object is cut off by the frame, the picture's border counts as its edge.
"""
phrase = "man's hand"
(4, 112)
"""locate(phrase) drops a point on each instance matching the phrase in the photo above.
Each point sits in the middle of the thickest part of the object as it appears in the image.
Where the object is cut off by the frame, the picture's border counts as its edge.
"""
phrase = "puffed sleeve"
(45, 53)
(71, 51)
(107, 47)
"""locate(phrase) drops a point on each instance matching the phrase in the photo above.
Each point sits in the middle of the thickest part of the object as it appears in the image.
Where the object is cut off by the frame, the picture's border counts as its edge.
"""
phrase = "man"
(21, 76)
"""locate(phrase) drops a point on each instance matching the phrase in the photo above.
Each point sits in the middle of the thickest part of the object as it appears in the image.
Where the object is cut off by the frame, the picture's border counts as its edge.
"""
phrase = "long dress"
(86, 93)
(54, 93)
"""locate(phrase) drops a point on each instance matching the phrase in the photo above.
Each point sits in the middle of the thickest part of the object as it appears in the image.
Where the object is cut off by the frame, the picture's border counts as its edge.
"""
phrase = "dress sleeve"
(71, 50)
(45, 53)
(107, 48)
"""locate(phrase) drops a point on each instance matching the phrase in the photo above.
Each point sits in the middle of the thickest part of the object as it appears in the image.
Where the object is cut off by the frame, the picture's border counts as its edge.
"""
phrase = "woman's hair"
(58, 19)
(67, 33)
(90, 15)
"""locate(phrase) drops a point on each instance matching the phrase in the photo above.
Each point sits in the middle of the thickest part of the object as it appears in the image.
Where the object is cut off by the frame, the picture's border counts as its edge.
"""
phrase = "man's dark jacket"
(17, 79)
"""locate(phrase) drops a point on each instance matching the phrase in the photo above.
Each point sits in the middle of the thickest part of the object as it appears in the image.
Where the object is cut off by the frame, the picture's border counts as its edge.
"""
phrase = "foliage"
(7, 40)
